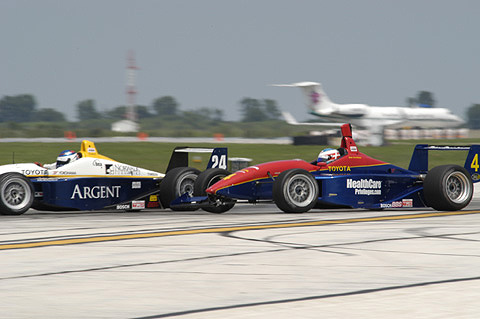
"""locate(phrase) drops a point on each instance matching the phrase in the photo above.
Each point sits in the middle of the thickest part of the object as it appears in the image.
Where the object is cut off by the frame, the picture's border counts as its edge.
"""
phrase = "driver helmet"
(328, 155)
(66, 157)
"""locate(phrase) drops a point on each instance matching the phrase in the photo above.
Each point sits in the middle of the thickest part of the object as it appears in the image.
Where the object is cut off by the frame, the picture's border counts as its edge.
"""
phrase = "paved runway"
(252, 262)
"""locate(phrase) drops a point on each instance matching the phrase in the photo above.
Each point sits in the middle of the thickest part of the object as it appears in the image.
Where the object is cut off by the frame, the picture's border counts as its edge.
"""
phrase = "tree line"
(23, 108)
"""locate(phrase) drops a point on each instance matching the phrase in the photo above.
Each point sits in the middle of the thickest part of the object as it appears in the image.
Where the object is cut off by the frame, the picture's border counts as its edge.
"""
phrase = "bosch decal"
(123, 207)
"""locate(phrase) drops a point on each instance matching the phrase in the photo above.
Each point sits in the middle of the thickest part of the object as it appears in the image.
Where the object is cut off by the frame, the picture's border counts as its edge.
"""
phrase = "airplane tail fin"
(316, 98)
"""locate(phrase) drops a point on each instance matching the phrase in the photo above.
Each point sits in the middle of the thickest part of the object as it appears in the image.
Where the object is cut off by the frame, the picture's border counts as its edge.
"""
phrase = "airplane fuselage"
(392, 116)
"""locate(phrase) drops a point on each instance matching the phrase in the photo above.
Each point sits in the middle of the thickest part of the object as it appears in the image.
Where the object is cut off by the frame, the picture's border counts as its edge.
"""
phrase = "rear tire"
(16, 194)
(177, 181)
(207, 179)
(295, 191)
(448, 187)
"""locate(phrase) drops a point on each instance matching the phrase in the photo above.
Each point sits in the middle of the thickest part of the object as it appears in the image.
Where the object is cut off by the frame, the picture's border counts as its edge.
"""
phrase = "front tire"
(177, 181)
(207, 179)
(448, 187)
(16, 194)
(295, 191)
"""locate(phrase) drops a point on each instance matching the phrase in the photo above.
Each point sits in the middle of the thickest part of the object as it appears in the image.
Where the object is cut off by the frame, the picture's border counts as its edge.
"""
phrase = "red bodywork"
(353, 159)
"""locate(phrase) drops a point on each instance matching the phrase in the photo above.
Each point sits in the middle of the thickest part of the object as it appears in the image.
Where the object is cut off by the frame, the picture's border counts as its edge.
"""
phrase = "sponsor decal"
(95, 192)
(121, 169)
(405, 203)
(153, 198)
(97, 163)
(153, 204)
(63, 173)
(476, 177)
(34, 172)
(339, 169)
(365, 186)
(136, 185)
(91, 150)
(123, 206)
(38, 194)
(353, 149)
(138, 204)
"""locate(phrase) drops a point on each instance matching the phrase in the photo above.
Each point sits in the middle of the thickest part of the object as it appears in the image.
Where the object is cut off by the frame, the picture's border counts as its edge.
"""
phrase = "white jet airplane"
(372, 118)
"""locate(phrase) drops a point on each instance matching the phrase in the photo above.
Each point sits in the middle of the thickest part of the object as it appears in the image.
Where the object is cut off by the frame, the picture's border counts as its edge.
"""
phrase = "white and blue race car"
(94, 182)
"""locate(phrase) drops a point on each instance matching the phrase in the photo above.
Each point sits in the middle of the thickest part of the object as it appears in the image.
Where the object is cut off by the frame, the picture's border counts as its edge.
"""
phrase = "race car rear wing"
(179, 158)
(419, 160)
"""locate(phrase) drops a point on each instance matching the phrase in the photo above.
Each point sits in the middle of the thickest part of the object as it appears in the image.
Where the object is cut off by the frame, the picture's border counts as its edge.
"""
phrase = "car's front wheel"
(207, 179)
(16, 194)
(177, 182)
(295, 191)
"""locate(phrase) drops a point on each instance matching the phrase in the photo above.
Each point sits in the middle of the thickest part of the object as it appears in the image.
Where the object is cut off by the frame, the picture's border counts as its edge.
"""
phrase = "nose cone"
(224, 187)
(243, 184)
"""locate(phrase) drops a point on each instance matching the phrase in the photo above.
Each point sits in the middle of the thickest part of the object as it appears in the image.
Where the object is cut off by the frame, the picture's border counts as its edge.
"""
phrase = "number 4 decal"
(475, 163)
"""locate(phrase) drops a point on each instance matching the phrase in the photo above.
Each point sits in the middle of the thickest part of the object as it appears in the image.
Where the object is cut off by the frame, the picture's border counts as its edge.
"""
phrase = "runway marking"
(85, 240)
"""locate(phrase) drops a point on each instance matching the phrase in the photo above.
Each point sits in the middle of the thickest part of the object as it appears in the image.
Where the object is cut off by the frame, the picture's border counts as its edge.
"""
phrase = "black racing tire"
(177, 181)
(448, 187)
(207, 179)
(16, 194)
(295, 191)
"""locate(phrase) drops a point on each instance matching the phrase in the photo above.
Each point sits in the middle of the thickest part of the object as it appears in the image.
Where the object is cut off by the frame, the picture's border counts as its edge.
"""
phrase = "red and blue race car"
(349, 179)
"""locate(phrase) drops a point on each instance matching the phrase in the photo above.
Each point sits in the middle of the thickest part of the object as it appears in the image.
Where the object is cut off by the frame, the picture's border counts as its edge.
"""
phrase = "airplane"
(372, 118)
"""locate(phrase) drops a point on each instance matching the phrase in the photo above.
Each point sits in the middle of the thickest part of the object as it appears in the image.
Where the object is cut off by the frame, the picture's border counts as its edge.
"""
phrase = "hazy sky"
(213, 53)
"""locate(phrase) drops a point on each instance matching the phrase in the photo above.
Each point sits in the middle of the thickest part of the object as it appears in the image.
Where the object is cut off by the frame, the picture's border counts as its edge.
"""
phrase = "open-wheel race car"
(86, 180)
(347, 178)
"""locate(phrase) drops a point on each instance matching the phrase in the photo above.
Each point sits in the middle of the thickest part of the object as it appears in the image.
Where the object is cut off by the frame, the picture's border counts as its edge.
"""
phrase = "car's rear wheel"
(295, 191)
(448, 187)
(207, 179)
(16, 194)
(177, 182)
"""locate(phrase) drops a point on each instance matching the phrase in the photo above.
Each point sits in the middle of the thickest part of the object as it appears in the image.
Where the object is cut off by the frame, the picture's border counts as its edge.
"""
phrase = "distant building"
(125, 126)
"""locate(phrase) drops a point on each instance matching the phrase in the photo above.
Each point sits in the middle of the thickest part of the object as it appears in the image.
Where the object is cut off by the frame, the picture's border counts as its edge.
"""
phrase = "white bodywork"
(90, 164)
(373, 118)
(83, 167)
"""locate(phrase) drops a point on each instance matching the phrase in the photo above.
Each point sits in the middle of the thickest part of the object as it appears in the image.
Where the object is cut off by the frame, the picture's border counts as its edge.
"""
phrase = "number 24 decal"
(219, 162)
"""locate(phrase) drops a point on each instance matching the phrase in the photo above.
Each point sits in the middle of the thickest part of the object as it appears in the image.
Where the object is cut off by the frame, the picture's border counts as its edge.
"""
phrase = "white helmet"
(328, 155)
(66, 157)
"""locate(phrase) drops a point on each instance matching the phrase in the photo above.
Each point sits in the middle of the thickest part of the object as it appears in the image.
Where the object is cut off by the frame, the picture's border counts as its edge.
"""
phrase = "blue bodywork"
(91, 193)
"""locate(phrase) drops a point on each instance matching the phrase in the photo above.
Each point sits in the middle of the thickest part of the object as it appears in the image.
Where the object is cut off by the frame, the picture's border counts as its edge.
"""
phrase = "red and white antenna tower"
(131, 88)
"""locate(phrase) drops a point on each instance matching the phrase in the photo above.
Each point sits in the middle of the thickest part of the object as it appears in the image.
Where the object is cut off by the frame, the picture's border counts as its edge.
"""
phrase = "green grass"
(155, 156)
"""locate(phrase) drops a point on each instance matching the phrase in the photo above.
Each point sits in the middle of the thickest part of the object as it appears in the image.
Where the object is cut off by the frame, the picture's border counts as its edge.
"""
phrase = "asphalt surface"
(251, 262)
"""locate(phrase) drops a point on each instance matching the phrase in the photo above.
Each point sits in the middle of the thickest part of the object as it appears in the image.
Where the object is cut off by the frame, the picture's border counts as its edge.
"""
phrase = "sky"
(213, 53)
